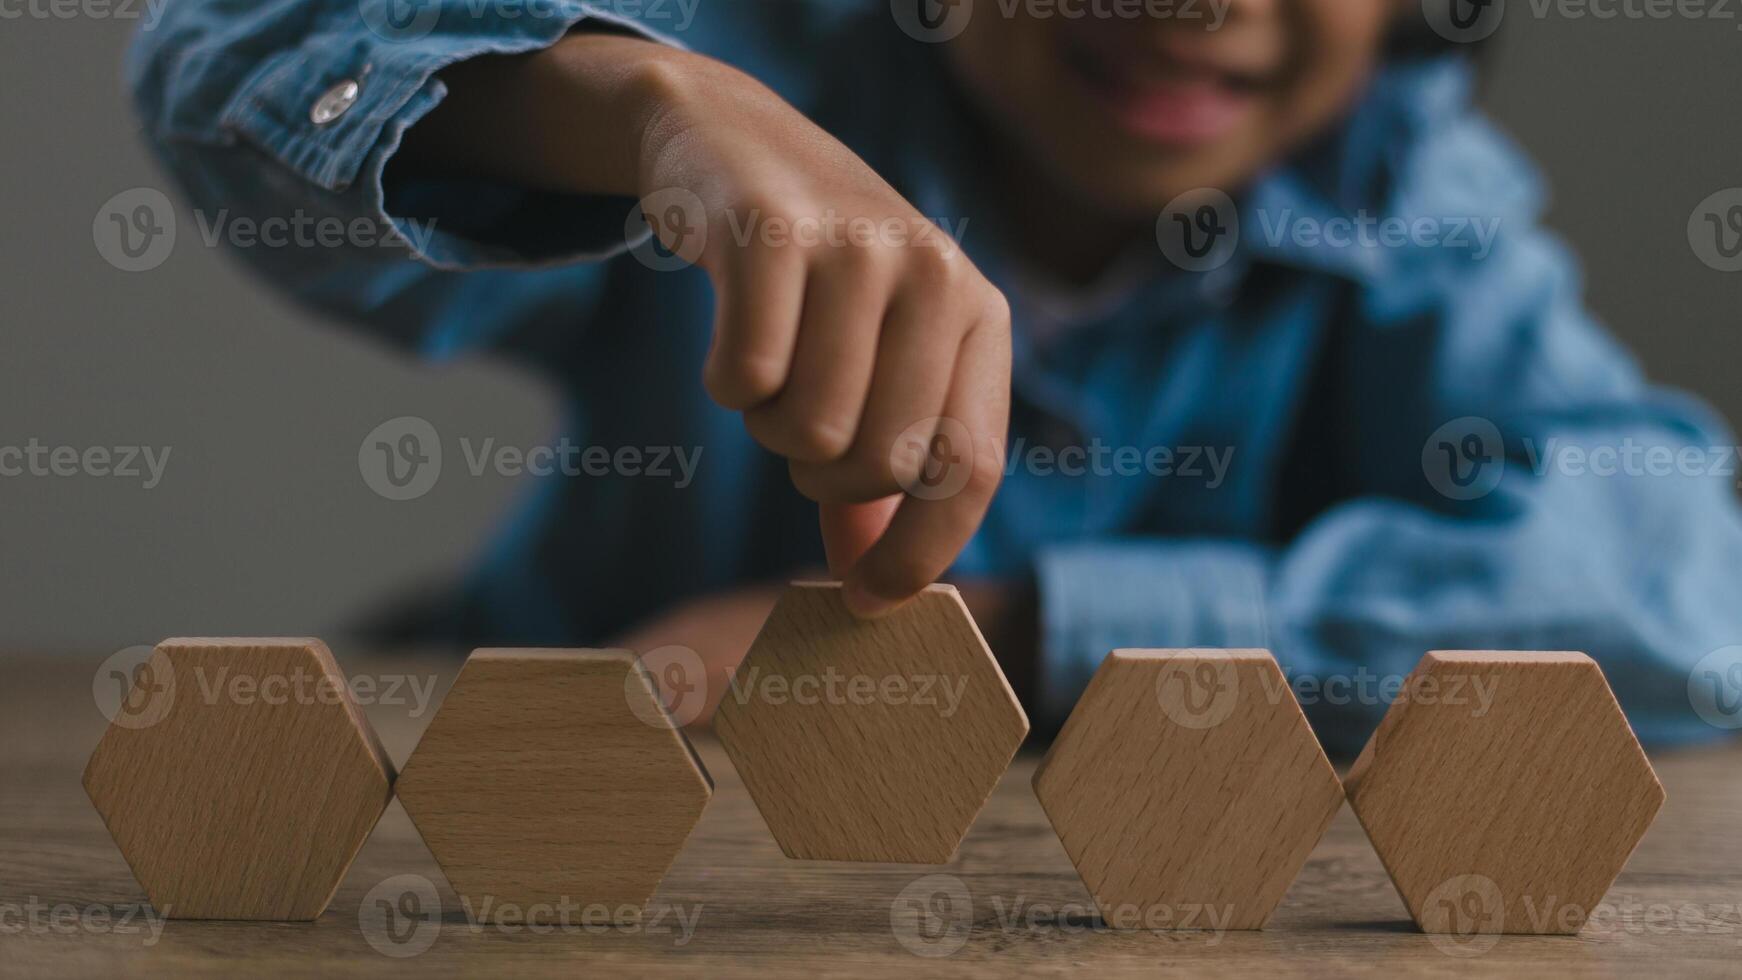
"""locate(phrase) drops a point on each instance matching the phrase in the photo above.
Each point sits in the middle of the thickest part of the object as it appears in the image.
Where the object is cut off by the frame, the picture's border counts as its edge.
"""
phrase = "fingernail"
(864, 603)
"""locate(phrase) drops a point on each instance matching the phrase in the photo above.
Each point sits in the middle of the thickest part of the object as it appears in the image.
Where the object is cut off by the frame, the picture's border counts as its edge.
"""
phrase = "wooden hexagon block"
(243, 780)
(870, 740)
(1187, 788)
(1504, 791)
(554, 778)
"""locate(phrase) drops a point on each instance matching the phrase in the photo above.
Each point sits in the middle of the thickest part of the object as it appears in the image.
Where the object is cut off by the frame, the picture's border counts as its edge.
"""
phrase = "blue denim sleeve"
(1100, 596)
(1520, 487)
(293, 108)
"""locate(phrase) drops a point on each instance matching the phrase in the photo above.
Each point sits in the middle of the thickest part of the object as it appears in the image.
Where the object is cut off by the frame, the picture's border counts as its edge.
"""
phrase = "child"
(1333, 414)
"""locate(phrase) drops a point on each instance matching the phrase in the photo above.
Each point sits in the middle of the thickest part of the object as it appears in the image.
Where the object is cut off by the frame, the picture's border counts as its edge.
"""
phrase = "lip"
(1178, 96)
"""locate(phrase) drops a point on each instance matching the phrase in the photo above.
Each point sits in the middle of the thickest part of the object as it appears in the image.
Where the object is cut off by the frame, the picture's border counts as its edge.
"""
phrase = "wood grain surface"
(553, 778)
(1188, 788)
(734, 907)
(1504, 791)
(870, 740)
(239, 779)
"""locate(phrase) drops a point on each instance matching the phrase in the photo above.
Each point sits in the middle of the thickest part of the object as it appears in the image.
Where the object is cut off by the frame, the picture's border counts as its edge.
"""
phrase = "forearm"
(572, 118)
(227, 94)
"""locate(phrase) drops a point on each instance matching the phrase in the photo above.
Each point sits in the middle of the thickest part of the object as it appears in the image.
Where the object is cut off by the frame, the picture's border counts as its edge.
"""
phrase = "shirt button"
(335, 102)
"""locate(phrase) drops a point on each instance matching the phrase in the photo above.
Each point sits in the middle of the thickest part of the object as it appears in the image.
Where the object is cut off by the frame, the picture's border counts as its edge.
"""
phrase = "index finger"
(940, 511)
(849, 530)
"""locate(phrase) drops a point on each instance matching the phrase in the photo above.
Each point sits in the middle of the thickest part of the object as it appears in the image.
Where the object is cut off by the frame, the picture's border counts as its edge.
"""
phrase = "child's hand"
(854, 335)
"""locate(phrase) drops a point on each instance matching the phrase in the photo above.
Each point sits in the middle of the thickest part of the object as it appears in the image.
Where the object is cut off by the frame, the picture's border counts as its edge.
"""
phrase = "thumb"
(849, 530)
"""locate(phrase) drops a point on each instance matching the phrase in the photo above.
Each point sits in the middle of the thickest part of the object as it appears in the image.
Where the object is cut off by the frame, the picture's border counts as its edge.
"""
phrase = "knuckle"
(781, 223)
(997, 306)
(741, 381)
(935, 268)
(825, 439)
(764, 205)
(811, 438)
(861, 260)
(906, 460)
(984, 476)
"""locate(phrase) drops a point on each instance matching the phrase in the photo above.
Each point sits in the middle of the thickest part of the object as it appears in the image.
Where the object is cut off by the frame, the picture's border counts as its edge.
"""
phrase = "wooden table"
(733, 906)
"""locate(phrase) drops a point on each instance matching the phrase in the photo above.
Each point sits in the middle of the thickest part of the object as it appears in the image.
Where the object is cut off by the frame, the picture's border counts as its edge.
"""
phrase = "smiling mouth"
(1165, 99)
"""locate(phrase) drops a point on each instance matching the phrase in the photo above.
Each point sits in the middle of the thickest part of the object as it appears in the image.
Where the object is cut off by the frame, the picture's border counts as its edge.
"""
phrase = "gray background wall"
(261, 523)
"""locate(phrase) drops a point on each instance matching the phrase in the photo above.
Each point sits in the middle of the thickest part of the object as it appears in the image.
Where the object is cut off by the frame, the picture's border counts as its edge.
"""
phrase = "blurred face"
(1130, 111)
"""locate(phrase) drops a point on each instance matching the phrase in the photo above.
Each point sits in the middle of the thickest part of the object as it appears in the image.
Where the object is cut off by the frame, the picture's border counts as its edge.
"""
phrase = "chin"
(1130, 185)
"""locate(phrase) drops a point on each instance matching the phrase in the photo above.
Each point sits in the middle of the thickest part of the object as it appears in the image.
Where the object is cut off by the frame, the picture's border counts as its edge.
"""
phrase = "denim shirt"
(1346, 449)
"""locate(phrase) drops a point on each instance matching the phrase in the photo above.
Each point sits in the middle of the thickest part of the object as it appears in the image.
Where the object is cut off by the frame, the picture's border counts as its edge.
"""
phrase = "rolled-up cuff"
(300, 107)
